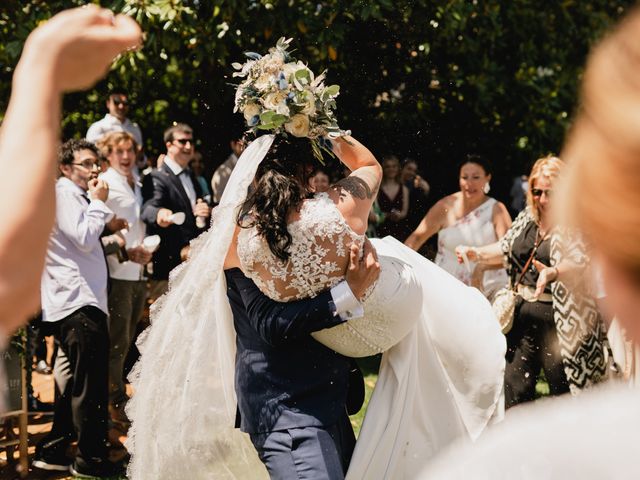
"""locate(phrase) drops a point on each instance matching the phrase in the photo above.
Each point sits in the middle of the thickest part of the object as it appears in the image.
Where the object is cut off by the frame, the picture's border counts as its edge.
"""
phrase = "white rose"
(250, 111)
(264, 81)
(272, 100)
(298, 126)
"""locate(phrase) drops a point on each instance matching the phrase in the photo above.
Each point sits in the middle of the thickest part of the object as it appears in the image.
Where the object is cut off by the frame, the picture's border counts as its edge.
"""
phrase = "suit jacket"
(163, 189)
(284, 378)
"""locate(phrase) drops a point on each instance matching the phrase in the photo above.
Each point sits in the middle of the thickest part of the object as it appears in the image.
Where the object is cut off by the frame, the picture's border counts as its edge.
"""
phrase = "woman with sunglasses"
(556, 325)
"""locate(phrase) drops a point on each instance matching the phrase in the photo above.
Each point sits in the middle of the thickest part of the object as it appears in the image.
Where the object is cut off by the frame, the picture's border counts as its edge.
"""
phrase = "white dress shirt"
(126, 203)
(75, 273)
(184, 179)
(111, 123)
(347, 306)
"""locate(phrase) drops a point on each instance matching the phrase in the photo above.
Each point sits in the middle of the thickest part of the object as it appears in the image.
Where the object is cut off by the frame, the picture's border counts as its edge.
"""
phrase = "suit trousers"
(307, 453)
(81, 408)
(126, 305)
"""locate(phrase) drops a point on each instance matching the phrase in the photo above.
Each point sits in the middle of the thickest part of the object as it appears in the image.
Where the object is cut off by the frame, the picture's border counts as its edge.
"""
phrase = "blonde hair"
(108, 141)
(601, 191)
(549, 167)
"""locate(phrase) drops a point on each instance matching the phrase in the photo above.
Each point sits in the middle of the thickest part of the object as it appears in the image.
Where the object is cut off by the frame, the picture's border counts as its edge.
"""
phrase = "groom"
(291, 389)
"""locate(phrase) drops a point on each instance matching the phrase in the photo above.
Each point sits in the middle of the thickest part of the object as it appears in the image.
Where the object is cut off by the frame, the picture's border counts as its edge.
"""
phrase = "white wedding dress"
(440, 377)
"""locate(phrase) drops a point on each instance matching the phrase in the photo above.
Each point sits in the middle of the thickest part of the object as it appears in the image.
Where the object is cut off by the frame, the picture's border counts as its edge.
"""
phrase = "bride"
(441, 374)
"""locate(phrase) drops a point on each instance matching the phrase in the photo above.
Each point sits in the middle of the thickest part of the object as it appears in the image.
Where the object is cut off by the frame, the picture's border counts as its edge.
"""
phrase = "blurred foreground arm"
(69, 52)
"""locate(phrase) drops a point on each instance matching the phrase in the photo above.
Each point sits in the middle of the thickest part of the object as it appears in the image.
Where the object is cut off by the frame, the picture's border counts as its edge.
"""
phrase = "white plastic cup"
(151, 243)
(178, 218)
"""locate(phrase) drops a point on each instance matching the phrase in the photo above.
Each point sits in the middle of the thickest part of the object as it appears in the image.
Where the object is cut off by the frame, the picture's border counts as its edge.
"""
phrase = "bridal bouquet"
(282, 95)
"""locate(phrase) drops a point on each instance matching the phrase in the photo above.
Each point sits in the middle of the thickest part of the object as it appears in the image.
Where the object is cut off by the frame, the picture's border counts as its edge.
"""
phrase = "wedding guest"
(116, 119)
(69, 52)
(518, 194)
(223, 172)
(418, 191)
(320, 182)
(393, 200)
(469, 217)
(170, 189)
(556, 326)
(128, 285)
(74, 305)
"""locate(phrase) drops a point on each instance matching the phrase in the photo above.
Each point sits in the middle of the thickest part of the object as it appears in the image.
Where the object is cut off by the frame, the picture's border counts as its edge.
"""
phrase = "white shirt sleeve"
(346, 303)
(81, 223)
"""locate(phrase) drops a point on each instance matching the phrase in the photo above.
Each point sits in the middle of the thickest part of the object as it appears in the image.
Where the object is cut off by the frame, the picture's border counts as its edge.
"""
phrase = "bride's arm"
(355, 194)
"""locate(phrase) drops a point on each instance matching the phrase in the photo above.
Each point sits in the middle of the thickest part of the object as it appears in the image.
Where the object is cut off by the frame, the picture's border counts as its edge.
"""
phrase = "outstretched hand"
(76, 47)
(546, 275)
(362, 272)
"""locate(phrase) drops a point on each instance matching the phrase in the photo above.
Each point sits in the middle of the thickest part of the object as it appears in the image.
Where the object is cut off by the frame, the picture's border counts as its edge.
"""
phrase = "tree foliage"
(428, 79)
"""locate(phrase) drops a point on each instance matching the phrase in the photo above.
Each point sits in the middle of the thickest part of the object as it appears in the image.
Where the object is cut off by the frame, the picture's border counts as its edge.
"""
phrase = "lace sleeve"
(318, 253)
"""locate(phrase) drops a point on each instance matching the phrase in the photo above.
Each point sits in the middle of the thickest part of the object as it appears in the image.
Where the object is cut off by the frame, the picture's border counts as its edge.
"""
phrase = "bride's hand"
(362, 272)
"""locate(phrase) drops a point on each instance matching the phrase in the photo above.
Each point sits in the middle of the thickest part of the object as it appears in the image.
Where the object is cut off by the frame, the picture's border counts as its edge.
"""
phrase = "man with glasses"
(74, 308)
(116, 119)
(174, 206)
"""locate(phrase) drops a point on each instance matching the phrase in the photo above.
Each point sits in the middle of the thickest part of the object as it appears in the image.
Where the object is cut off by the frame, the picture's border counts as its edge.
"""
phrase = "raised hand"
(75, 48)
(98, 189)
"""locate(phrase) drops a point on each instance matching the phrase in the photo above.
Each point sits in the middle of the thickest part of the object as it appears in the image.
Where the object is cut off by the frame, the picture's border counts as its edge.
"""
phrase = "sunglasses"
(120, 101)
(184, 141)
(536, 192)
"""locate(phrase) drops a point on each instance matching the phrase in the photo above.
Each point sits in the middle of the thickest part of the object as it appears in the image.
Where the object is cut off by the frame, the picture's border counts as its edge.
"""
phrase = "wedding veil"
(184, 405)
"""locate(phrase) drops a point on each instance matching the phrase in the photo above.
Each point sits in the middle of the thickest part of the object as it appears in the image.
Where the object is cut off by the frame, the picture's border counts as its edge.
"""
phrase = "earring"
(487, 188)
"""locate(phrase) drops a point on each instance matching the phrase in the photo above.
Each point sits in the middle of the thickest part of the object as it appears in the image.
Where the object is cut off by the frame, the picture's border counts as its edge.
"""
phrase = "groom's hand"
(362, 272)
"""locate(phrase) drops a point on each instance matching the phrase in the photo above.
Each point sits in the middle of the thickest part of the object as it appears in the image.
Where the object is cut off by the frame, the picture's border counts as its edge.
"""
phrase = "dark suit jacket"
(284, 378)
(163, 189)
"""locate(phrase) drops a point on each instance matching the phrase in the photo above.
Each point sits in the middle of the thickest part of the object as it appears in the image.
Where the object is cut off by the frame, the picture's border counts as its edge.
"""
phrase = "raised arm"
(69, 52)
(355, 194)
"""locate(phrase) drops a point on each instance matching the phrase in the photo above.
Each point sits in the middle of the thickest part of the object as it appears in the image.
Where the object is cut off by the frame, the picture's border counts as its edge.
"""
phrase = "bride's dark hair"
(281, 185)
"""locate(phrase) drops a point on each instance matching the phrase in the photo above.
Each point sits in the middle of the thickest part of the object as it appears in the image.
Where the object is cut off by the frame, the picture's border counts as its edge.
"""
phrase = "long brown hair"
(281, 186)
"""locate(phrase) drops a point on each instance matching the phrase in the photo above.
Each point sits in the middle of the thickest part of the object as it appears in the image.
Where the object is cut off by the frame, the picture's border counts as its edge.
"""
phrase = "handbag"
(505, 299)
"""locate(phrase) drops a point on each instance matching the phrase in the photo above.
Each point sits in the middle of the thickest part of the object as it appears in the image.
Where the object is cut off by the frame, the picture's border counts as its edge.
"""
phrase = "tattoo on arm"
(355, 186)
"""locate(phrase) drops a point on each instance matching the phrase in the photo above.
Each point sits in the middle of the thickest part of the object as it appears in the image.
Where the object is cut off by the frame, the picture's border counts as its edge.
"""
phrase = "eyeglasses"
(88, 164)
(183, 141)
(536, 192)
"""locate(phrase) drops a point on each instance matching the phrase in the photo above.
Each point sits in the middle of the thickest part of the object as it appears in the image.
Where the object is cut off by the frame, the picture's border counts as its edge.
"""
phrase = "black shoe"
(96, 469)
(53, 460)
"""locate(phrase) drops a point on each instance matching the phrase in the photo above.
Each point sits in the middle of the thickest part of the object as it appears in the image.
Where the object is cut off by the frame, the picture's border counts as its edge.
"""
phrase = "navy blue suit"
(285, 380)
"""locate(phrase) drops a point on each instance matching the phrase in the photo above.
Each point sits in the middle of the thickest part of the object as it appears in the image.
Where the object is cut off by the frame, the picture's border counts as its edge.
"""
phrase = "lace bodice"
(318, 253)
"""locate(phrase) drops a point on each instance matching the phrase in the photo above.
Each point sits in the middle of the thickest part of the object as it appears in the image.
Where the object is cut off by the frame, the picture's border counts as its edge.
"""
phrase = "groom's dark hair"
(282, 184)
